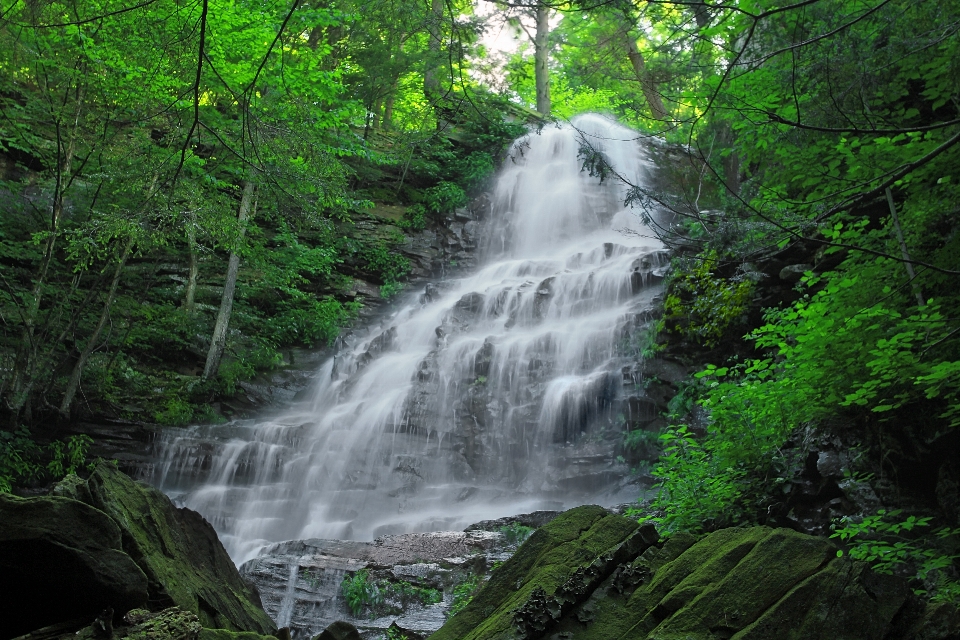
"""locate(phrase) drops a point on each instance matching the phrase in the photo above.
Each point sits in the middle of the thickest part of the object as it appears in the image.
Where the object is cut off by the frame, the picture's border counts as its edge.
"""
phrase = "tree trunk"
(431, 75)
(648, 86)
(74, 382)
(189, 296)
(24, 376)
(219, 339)
(541, 58)
(907, 262)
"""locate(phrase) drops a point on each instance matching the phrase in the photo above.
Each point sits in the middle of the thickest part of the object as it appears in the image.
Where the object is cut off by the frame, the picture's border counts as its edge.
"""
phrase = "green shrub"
(444, 197)
(407, 593)
(463, 593)
(889, 543)
(701, 306)
(360, 592)
(21, 458)
(516, 533)
(177, 413)
(414, 218)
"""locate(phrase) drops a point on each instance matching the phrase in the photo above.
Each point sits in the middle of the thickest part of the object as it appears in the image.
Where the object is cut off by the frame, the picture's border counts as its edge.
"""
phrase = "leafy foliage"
(22, 459)
(360, 592)
(516, 533)
(884, 540)
(701, 306)
(463, 593)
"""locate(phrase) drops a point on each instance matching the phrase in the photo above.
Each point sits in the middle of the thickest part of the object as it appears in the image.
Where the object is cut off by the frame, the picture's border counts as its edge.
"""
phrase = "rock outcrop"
(300, 581)
(61, 559)
(179, 552)
(101, 548)
(590, 575)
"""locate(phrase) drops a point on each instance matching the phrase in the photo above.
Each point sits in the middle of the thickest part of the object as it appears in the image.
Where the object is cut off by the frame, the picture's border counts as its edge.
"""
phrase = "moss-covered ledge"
(590, 575)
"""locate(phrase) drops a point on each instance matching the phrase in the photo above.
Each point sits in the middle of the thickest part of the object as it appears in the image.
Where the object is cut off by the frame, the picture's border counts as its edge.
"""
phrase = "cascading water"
(489, 395)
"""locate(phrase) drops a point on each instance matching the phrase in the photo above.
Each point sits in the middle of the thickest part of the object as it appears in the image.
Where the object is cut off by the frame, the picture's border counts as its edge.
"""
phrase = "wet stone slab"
(300, 580)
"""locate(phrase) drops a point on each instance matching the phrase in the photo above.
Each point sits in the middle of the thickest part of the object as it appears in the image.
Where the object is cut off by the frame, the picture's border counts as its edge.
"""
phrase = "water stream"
(495, 393)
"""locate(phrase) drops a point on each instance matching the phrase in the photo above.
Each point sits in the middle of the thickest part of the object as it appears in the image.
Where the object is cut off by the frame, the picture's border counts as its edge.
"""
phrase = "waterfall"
(495, 393)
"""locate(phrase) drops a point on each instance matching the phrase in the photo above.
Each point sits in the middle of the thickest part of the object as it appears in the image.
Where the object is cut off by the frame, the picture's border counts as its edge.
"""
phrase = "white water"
(496, 394)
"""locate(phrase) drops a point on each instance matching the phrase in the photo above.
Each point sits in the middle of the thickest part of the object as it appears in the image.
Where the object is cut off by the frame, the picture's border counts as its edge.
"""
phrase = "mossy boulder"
(170, 624)
(557, 566)
(224, 634)
(184, 561)
(589, 575)
(61, 559)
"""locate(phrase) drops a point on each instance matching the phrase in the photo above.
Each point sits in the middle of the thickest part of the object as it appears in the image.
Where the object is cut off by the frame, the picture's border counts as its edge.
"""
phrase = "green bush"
(177, 413)
(407, 593)
(701, 306)
(890, 543)
(360, 592)
(22, 459)
(414, 218)
(444, 197)
(516, 533)
(463, 593)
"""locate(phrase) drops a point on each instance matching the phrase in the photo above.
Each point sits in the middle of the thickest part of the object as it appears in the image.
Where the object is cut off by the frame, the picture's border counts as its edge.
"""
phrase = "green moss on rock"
(225, 634)
(180, 554)
(542, 565)
(170, 624)
(66, 553)
(752, 583)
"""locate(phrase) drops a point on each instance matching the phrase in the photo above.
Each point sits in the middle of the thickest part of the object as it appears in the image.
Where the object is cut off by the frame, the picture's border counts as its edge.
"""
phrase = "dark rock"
(179, 552)
(469, 306)
(61, 559)
(541, 299)
(861, 494)
(339, 630)
(940, 621)
(595, 576)
(793, 272)
(533, 520)
(829, 464)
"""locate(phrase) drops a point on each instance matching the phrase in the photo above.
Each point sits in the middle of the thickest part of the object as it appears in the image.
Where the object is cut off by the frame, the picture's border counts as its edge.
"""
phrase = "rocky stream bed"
(108, 557)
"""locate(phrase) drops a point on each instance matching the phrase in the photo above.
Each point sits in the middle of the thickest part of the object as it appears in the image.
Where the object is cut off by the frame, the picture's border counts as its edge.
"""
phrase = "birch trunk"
(541, 54)
(219, 339)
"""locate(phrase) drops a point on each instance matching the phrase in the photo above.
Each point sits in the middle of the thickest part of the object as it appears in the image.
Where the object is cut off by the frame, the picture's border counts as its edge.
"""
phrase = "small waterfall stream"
(495, 393)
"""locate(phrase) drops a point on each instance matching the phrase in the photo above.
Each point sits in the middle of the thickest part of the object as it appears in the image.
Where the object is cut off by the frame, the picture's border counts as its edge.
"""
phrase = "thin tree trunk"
(541, 58)
(731, 161)
(431, 75)
(647, 85)
(219, 339)
(903, 249)
(23, 377)
(75, 376)
(189, 296)
(388, 106)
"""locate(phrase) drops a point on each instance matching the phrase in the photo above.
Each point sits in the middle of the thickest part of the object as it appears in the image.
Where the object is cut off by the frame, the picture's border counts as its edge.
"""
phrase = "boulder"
(180, 553)
(169, 624)
(339, 630)
(61, 559)
(592, 575)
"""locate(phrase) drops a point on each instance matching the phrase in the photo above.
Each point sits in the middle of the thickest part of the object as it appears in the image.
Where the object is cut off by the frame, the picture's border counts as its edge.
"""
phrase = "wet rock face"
(592, 575)
(414, 574)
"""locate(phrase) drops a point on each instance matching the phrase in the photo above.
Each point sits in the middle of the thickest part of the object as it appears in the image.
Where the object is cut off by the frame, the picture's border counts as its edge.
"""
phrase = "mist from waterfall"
(491, 394)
